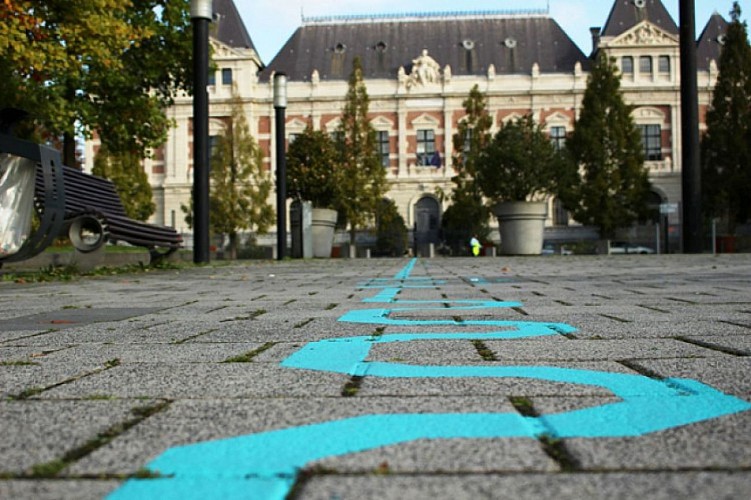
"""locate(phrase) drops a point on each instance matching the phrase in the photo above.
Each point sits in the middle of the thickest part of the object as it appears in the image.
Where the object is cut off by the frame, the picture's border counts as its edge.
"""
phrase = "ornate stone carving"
(645, 33)
(425, 70)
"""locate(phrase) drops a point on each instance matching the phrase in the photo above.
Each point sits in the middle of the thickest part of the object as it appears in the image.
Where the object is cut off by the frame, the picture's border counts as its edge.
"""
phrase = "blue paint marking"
(265, 465)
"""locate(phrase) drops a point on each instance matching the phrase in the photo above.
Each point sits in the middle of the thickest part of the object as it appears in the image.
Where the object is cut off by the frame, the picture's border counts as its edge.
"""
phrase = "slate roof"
(228, 26)
(467, 43)
(626, 14)
(708, 46)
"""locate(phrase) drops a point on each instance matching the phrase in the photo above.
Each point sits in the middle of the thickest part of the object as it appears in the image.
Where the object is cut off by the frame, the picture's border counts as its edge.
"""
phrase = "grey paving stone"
(57, 489)
(37, 432)
(659, 486)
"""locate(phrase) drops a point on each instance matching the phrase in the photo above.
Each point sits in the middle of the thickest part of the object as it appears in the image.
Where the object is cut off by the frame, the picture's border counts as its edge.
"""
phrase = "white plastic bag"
(17, 176)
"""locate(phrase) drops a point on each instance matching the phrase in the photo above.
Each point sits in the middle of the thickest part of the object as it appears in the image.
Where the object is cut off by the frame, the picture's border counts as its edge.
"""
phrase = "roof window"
(510, 43)
(468, 44)
(340, 48)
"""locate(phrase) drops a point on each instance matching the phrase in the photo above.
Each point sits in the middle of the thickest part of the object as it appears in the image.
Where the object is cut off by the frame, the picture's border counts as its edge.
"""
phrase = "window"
(645, 65)
(227, 76)
(213, 146)
(663, 65)
(384, 147)
(292, 138)
(467, 142)
(627, 65)
(212, 77)
(558, 137)
(425, 147)
(651, 139)
(213, 143)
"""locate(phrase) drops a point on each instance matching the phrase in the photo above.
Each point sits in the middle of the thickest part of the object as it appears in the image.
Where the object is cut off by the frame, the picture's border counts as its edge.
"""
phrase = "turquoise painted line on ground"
(265, 465)
(406, 271)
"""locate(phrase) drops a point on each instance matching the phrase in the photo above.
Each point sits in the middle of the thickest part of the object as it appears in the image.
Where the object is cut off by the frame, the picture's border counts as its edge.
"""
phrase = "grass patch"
(352, 387)
(248, 356)
(523, 405)
(19, 363)
(555, 449)
(303, 323)
(484, 351)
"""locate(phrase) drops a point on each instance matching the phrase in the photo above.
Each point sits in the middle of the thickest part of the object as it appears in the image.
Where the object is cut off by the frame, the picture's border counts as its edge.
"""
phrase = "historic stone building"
(418, 71)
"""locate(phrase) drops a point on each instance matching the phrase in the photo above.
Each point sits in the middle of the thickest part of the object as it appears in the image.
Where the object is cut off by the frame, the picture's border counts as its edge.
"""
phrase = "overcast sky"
(271, 22)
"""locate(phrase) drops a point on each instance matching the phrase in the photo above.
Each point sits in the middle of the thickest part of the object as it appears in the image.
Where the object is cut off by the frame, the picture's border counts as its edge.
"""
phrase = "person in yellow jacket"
(474, 243)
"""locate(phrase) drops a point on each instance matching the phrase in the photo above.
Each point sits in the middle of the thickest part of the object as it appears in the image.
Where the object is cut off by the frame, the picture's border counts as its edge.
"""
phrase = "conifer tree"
(363, 178)
(239, 185)
(467, 215)
(726, 146)
(611, 186)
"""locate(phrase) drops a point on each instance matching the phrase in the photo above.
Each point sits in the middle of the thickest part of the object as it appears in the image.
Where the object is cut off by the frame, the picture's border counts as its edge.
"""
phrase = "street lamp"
(280, 105)
(200, 14)
(691, 175)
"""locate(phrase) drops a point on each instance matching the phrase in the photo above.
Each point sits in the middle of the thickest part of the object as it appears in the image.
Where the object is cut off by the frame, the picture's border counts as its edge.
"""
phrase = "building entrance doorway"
(427, 224)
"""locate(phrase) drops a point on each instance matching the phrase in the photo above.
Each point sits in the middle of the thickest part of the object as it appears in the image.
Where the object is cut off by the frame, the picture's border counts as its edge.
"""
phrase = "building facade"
(419, 69)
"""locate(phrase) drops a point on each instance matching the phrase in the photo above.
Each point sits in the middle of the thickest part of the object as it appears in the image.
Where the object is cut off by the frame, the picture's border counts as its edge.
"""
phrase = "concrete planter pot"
(323, 225)
(521, 225)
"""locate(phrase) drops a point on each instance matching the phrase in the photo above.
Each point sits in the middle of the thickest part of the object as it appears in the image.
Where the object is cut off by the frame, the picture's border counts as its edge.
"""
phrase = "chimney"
(595, 32)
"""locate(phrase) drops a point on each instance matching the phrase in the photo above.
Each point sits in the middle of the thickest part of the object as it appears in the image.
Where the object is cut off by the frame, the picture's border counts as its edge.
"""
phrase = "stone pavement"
(563, 377)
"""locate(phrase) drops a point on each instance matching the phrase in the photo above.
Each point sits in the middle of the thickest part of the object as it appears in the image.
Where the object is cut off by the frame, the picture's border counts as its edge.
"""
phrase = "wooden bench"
(94, 214)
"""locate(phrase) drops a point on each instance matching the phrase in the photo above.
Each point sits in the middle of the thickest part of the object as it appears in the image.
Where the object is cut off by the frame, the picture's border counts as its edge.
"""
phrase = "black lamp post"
(200, 14)
(280, 105)
(691, 173)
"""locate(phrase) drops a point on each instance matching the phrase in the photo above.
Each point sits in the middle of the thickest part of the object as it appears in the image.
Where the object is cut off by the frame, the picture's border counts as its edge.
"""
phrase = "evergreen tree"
(726, 146)
(239, 187)
(391, 231)
(363, 178)
(612, 186)
(125, 170)
(467, 215)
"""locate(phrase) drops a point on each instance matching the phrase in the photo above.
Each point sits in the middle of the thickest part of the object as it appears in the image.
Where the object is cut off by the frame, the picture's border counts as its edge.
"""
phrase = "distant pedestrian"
(474, 243)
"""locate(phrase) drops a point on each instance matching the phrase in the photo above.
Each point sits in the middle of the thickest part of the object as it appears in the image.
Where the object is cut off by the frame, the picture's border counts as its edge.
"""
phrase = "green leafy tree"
(608, 184)
(726, 146)
(467, 215)
(239, 185)
(312, 173)
(95, 65)
(519, 164)
(362, 177)
(125, 170)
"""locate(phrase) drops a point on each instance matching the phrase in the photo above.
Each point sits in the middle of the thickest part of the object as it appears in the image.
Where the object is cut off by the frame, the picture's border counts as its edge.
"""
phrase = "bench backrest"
(85, 192)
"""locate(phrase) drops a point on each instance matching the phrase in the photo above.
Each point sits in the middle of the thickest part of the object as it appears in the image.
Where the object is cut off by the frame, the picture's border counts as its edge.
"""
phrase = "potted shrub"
(312, 176)
(516, 172)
